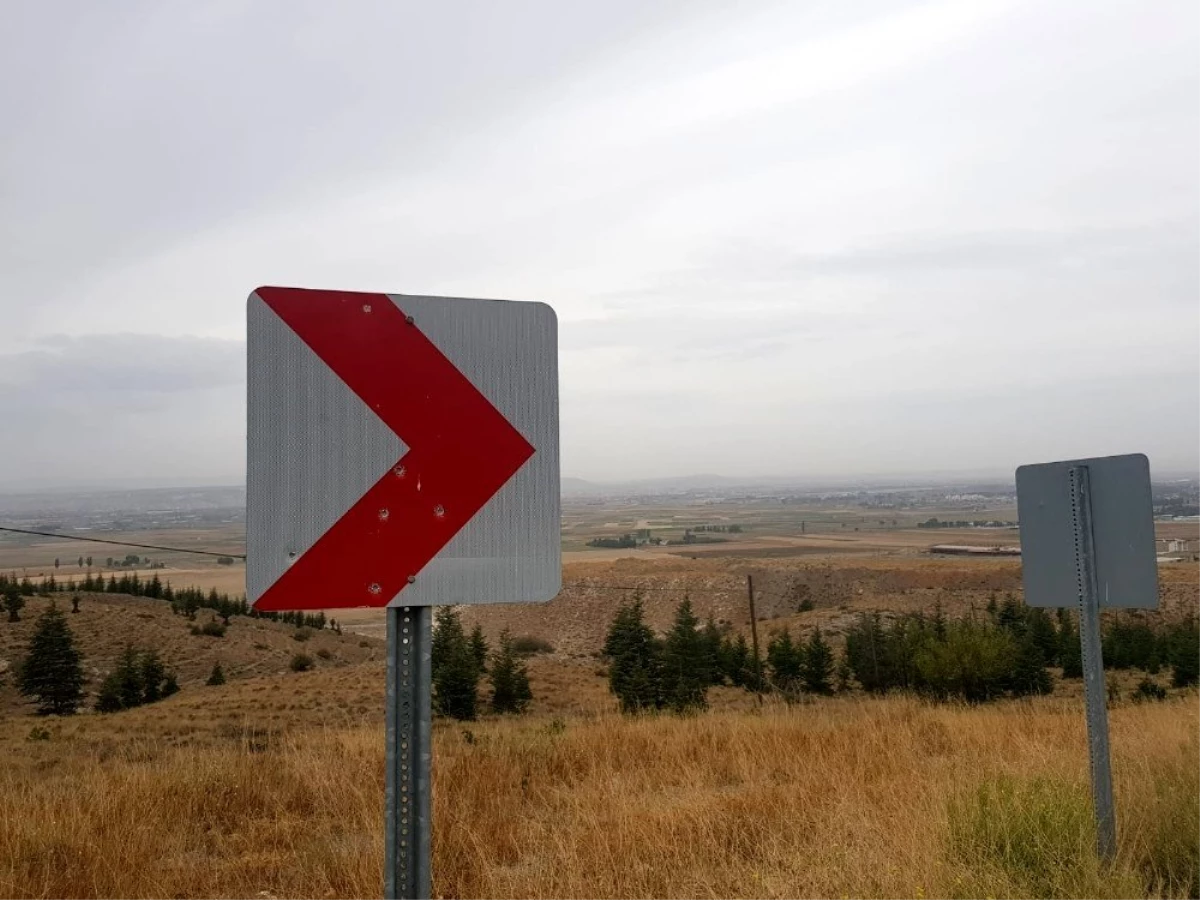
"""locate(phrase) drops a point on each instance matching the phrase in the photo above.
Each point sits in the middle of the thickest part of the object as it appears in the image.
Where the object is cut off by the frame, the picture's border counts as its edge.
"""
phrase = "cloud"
(109, 368)
(123, 407)
(787, 219)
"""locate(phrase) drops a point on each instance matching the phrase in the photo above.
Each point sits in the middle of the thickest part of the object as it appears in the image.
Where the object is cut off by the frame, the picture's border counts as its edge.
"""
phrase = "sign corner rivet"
(412, 579)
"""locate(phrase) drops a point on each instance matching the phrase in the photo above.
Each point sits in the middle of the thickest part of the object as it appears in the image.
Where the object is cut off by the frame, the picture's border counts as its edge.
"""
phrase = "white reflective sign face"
(401, 450)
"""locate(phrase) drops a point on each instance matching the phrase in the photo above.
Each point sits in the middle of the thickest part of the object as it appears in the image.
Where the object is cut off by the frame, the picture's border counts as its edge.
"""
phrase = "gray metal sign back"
(1122, 532)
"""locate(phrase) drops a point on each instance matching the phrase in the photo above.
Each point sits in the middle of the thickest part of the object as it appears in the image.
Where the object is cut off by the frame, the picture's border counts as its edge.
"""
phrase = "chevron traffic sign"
(402, 450)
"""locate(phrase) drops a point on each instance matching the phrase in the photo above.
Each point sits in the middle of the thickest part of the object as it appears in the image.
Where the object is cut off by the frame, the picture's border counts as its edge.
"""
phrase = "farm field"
(770, 530)
(271, 785)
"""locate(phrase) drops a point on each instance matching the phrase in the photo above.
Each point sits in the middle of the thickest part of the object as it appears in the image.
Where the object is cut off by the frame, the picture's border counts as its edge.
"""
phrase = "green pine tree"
(52, 672)
(975, 663)
(479, 648)
(510, 679)
(217, 676)
(1183, 643)
(713, 662)
(1043, 634)
(784, 662)
(685, 667)
(816, 665)
(843, 674)
(993, 606)
(108, 698)
(1010, 616)
(13, 602)
(869, 652)
(1029, 675)
(736, 657)
(938, 622)
(1070, 654)
(1155, 661)
(635, 660)
(128, 673)
(152, 674)
(455, 668)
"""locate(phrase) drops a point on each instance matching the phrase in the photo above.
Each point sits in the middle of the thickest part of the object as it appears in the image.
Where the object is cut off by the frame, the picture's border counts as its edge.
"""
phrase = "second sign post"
(1087, 540)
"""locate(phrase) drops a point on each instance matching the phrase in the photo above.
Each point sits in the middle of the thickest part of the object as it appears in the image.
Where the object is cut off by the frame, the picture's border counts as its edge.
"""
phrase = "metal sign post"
(1093, 665)
(406, 849)
(1087, 533)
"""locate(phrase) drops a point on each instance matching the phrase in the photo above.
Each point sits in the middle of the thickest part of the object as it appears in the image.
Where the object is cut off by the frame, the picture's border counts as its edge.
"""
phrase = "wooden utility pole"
(754, 636)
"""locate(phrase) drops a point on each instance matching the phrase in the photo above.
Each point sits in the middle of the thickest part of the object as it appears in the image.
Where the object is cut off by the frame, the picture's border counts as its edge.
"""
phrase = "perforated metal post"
(1093, 664)
(409, 750)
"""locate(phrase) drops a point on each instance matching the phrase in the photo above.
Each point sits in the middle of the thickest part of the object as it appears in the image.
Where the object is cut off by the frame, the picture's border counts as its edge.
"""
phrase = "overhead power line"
(242, 556)
(92, 540)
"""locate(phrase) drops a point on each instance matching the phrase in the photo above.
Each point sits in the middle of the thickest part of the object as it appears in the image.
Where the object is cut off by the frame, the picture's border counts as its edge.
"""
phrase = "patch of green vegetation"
(528, 645)
(1168, 855)
(1031, 837)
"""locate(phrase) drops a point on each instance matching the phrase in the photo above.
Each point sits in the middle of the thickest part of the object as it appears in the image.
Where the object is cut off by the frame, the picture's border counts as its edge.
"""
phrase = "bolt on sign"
(1087, 540)
(402, 452)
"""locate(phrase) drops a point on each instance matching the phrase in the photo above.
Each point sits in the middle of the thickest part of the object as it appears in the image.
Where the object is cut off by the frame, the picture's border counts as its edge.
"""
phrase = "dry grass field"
(838, 798)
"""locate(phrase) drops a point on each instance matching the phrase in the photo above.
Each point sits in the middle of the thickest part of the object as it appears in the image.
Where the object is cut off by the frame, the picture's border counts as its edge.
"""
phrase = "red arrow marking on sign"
(461, 450)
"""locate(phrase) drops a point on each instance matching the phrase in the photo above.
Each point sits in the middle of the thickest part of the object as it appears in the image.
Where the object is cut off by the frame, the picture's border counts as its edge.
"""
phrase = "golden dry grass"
(846, 797)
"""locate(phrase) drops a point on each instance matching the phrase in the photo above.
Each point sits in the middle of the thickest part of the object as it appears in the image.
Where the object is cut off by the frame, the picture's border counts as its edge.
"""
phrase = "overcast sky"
(797, 238)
